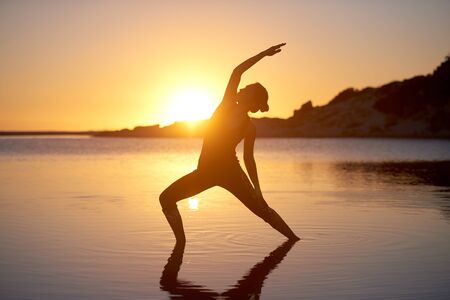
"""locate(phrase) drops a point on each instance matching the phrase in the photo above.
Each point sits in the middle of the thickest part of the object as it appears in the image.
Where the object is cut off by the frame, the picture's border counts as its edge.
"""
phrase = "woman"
(218, 164)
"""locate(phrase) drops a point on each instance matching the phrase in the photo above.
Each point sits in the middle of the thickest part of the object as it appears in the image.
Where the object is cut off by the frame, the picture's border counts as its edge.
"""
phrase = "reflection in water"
(193, 203)
(435, 173)
(432, 173)
(249, 287)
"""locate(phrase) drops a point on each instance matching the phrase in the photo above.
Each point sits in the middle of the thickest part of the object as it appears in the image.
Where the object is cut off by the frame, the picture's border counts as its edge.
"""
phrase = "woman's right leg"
(185, 187)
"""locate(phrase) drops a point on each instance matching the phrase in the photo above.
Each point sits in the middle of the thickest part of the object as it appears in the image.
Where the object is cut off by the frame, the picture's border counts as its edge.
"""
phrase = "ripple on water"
(230, 236)
(362, 241)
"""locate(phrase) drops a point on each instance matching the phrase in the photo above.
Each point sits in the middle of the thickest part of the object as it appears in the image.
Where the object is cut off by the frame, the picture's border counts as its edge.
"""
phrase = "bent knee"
(165, 201)
(163, 197)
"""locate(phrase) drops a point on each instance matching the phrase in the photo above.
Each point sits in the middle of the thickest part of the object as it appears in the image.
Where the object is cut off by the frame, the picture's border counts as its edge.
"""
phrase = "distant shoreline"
(34, 133)
(98, 134)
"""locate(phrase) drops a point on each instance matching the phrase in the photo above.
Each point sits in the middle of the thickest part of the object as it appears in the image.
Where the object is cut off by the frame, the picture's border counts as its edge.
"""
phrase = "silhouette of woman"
(218, 164)
(248, 287)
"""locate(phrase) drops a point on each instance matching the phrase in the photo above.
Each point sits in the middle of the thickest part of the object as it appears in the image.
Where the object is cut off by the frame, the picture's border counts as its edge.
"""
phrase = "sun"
(188, 104)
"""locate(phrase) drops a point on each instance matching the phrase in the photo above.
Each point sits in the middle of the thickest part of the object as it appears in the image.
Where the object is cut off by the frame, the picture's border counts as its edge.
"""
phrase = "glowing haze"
(91, 65)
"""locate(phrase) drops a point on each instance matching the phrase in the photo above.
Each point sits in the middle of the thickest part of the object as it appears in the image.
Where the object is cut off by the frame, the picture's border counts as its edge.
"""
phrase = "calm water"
(80, 219)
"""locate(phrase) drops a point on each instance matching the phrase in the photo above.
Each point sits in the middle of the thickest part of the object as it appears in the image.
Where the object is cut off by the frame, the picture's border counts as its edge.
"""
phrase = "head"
(254, 97)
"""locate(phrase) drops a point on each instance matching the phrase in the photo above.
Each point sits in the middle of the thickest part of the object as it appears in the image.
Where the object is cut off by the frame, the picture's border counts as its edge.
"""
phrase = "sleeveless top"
(221, 137)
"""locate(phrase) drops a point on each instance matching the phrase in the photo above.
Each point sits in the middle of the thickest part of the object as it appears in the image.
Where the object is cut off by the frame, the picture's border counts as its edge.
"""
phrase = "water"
(80, 219)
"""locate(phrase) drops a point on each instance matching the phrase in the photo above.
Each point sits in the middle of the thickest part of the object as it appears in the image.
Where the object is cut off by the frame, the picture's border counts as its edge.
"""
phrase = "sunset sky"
(92, 65)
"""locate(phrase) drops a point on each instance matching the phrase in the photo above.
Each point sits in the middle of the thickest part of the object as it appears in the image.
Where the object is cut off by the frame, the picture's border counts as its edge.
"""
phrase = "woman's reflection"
(248, 287)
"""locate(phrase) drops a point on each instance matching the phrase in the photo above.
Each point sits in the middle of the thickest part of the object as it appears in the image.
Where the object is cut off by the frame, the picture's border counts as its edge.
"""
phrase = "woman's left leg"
(239, 185)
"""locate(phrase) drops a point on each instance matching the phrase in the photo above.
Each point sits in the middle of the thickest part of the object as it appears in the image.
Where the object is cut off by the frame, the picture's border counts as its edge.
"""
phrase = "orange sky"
(82, 65)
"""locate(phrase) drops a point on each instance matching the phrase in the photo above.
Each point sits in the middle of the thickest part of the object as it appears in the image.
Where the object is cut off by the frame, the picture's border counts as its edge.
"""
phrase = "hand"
(273, 50)
(260, 199)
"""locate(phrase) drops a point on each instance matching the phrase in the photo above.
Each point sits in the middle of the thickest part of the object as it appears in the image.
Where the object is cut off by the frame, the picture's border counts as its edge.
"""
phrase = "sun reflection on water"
(193, 203)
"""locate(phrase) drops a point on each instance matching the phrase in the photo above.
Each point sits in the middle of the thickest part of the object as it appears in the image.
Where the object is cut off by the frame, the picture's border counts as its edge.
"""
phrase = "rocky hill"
(415, 107)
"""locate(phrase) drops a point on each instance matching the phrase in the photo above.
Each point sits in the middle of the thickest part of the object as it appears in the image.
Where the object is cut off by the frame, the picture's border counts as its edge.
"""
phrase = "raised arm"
(235, 77)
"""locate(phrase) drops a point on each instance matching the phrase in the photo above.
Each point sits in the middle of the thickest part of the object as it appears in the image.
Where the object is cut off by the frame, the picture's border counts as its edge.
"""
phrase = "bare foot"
(294, 238)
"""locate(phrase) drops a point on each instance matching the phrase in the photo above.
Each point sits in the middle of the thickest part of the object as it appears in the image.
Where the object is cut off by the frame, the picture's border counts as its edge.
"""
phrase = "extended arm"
(268, 214)
(235, 77)
(249, 158)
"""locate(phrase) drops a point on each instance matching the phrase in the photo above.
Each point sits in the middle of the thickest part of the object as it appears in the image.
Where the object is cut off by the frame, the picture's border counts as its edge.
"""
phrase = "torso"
(226, 128)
